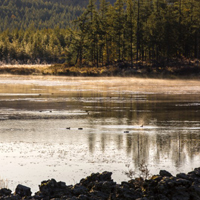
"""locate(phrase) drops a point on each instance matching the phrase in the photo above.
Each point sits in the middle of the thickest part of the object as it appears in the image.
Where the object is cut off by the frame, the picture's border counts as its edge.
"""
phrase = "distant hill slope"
(39, 13)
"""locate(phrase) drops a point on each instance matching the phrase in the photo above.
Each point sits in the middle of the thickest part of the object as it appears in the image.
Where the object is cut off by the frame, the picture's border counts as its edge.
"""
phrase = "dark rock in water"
(82, 197)
(165, 173)
(23, 191)
(108, 186)
(195, 191)
(182, 175)
(197, 171)
(13, 197)
(79, 189)
(90, 180)
(100, 186)
(105, 176)
(126, 131)
(53, 189)
(5, 192)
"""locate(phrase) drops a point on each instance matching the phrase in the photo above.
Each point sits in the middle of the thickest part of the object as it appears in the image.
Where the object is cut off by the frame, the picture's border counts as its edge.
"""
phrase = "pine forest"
(98, 33)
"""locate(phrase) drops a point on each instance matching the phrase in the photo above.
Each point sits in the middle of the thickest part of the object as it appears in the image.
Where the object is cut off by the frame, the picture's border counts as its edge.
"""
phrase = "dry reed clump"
(3, 183)
(144, 172)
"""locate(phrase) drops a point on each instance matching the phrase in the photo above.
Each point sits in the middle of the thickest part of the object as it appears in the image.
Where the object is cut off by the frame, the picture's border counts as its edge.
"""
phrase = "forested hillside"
(39, 13)
(128, 31)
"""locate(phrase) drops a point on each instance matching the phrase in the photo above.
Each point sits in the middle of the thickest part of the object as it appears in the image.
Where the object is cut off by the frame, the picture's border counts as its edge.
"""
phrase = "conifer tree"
(104, 29)
(130, 27)
(118, 23)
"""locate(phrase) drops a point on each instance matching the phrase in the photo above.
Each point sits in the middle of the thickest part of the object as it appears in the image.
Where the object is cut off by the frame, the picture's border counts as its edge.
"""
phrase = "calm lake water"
(37, 144)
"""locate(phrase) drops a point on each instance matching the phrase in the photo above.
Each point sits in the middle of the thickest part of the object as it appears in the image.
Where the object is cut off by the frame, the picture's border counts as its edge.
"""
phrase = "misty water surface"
(123, 120)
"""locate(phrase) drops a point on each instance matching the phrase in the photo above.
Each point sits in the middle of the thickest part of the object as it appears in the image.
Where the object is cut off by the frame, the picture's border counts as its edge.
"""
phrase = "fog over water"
(122, 120)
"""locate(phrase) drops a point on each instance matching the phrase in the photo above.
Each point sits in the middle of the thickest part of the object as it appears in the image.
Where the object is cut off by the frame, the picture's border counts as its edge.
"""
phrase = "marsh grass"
(23, 69)
(61, 69)
(122, 69)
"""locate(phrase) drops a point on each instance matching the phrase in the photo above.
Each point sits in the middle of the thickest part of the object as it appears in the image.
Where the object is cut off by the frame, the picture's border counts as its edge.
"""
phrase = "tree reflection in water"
(112, 135)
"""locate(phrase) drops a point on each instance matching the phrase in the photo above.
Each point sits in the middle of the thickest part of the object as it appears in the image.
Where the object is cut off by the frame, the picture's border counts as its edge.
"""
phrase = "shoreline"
(115, 70)
(163, 186)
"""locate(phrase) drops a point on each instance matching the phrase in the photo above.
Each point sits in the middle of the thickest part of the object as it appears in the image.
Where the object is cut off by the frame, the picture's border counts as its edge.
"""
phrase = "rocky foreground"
(100, 186)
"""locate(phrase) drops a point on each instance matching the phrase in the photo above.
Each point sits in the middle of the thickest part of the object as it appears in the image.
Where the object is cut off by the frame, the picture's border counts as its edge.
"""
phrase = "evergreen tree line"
(128, 30)
(154, 30)
(34, 45)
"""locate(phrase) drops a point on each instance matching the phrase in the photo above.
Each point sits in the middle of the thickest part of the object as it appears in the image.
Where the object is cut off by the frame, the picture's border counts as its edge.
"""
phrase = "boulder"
(165, 173)
(23, 191)
(182, 175)
(79, 189)
(89, 181)
(5, 192)
(53, 189)
(12, 197)
(100, 186)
